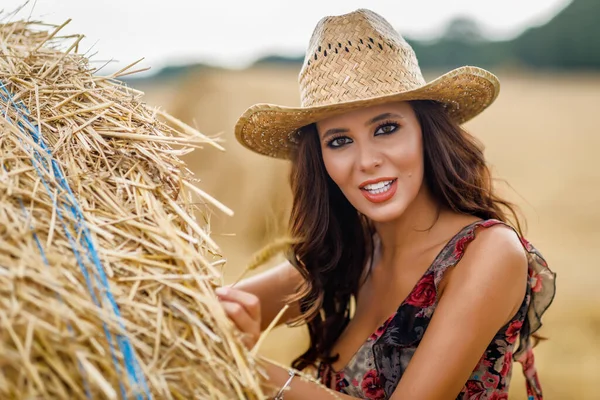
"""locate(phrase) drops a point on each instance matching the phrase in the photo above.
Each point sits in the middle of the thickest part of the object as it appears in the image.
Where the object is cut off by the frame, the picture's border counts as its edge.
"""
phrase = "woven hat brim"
(271, 129)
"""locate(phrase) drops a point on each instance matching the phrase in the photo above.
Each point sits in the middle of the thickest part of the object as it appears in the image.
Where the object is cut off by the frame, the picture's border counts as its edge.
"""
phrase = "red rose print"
(460, 246)
(513, 330)
(371, 387)
(490, 381)
(506, 367)
(487, 363)
(340, 381)
(377, 334)
(527, 360)
(474, 390)
(498, 396)
(340, 385)
(535, 283)
(525, 243)
(423, 295)
(484, 361)
(489, 222)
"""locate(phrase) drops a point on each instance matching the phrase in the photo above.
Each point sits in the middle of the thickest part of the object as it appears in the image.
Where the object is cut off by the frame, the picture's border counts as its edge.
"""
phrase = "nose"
(369, 157)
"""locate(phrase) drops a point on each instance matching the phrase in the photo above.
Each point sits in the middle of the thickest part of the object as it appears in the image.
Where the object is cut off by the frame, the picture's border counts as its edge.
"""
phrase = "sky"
(235, 33)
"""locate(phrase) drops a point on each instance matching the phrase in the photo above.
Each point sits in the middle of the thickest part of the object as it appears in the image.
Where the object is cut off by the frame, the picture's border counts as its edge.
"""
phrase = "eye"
(338, 142)
(386, 128)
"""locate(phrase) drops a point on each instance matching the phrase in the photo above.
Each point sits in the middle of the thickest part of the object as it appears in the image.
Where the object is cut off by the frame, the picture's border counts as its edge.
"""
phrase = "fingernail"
(221, 291)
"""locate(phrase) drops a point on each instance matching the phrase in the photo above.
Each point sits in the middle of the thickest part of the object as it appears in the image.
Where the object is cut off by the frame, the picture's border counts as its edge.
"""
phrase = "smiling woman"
(394, 209)
(386, 135)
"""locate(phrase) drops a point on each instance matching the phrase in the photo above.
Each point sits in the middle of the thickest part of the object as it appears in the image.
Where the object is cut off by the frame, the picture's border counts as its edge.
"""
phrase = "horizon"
(174, 33)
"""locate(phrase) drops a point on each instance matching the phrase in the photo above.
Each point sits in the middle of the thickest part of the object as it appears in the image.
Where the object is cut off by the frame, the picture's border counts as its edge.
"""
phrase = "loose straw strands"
(86, 166)
(265, 254)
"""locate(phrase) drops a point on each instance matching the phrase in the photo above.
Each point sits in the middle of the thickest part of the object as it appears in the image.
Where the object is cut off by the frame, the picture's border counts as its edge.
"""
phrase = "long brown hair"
(335, 240)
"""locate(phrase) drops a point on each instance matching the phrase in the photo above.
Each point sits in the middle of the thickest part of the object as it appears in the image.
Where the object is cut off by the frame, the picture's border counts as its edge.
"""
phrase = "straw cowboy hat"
(353, 61)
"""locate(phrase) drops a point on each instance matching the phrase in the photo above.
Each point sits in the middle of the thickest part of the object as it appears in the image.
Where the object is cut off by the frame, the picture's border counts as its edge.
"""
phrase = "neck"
(411, 228)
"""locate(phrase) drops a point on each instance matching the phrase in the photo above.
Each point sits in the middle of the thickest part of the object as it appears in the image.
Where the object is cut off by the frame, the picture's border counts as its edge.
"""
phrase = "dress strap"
(540, 292)
(452, 253)
(532, 381)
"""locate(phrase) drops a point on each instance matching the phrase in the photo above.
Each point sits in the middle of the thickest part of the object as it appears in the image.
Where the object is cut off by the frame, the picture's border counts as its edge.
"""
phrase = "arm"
(271, 288)
(300, 389)
(244, 310)
(483, 293)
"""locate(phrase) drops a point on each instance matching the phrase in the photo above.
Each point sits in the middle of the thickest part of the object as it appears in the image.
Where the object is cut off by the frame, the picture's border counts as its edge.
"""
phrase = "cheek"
(413, 167)
(408, 158)
(338, 167)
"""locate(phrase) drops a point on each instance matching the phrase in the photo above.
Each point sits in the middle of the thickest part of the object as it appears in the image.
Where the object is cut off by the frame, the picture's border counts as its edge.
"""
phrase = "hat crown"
(356, 56)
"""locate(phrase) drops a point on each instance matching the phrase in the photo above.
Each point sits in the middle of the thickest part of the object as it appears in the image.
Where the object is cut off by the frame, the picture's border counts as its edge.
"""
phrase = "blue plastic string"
(45, 259)
(86, 384)
(83, 268)
(132, 367)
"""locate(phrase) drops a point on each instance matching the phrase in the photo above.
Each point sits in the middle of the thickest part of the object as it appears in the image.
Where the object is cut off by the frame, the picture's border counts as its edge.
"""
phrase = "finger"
(249, 340)
(240, 317)
(249, 301)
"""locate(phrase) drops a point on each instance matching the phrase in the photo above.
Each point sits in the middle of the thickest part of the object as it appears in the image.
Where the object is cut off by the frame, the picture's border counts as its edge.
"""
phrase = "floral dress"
(376, 368)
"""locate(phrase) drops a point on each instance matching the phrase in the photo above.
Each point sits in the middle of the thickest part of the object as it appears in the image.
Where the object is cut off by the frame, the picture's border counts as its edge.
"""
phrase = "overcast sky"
(234, 33)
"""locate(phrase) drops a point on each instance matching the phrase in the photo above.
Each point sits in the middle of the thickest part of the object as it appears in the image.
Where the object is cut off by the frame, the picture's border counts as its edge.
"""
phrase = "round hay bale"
(107, 267)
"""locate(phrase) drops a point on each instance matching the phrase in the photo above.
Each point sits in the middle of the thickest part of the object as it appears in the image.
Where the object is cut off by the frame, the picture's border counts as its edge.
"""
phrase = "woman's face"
(375, 156)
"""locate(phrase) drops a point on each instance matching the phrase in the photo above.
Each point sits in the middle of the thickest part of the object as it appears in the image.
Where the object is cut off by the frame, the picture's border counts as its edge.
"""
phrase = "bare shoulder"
(492, 271)
(483, 293)
(494, 246)
(497, 247)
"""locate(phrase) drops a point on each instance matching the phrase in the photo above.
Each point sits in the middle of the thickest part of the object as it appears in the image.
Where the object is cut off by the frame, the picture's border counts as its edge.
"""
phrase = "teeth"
(377, 186)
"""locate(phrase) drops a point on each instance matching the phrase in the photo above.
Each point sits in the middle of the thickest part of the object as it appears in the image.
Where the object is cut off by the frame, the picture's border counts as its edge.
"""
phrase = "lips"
(377, 181)
(379, 190)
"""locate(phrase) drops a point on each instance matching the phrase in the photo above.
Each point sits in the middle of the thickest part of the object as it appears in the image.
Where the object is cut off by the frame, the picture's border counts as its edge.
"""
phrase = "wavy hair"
(334, 241)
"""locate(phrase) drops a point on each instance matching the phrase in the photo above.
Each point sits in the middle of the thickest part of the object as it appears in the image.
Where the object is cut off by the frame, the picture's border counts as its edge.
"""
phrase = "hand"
(243, 309)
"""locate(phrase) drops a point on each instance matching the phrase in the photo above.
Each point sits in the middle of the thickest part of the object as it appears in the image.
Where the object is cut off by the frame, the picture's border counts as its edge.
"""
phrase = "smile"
(379, 187)
(381, 191)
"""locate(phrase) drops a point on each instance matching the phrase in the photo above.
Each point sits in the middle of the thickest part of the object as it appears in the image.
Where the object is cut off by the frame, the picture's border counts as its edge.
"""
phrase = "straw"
(353, 61)
(265, 254)
(107, 266)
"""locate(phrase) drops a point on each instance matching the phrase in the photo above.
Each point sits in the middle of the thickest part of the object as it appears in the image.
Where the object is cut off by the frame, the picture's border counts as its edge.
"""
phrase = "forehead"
(364, 114)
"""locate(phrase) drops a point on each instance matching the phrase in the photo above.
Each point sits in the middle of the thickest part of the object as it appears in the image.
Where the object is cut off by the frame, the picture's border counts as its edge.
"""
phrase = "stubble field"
(541, 136)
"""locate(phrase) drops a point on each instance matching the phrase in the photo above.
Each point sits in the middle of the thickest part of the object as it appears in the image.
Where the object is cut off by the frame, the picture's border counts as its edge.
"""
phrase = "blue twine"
(86, 384)
(45, 259)
(131, 363)
(74, 248)
(132, 367)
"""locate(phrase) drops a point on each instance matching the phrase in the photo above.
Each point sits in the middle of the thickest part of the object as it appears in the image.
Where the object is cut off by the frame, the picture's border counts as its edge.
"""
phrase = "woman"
(393, 210)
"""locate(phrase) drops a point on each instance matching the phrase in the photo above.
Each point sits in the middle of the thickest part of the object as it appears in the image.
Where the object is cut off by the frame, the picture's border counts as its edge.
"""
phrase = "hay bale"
(106, 276)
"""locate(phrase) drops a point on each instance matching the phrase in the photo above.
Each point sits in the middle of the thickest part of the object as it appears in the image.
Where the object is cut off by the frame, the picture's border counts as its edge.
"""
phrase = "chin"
(383, 213)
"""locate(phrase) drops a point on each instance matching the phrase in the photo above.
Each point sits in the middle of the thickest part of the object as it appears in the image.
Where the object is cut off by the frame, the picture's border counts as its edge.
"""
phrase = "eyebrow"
(373, 120)
(381, 117)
